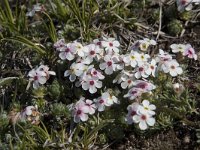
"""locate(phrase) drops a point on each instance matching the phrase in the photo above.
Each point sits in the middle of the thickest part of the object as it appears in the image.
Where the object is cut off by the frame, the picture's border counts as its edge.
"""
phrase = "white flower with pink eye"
(100, 103)
(127, 82)
(80, 111)
(190, 52)
(144, 85)
(109, 65)
(141, 71)
(91, 84)
(144, 120)
(177, 48)
(184, 5)
(110, 99)
(133, 93)
(93, 52)
(97, 42)
(38, 77)
(163, 57)
(74, 71)
(96, 74)
(111, 45)
(45, 69)
(59, 44)
(172, 67)
(66, 52)
(131, 59)
(147, 108)
(79, 48)
(151, 68)
(132, 111)
(91, 106)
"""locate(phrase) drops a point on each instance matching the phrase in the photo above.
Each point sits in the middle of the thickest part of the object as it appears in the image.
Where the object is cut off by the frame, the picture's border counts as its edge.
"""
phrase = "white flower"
(59, 44)
(45, 69)
(91, 106)
(177, 48)
(133, 93)
(100, 103)
(93, 52)
(38, 77)
(190, 52)
(144, 44)
(110, 99)
(142, 59)
(144, 85)
(162, 57)
(127, 82)
(144, 120)
(141, 71)
(91, 84)
(131, 59)
(66, 52)
(173, 68)
(75, 70)
(109, 65)
(132, 111)
(151, 68)
(79, 48)
(147, 108)
(111, 45)
(80, 111)
(96, 74)
(184, 5)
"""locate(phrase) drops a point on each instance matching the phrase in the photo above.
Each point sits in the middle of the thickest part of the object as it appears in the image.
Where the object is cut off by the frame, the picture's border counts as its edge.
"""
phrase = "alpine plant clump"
(93, 64)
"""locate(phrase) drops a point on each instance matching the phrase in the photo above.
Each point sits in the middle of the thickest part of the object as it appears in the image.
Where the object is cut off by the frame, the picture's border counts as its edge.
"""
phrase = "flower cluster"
(141, 113)
(186, 50)
(40, 75)
(91, 64)
(84, 106)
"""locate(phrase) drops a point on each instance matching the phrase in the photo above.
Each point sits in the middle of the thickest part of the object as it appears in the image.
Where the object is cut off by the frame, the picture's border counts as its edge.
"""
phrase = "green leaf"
(7, 81)
(26, 42)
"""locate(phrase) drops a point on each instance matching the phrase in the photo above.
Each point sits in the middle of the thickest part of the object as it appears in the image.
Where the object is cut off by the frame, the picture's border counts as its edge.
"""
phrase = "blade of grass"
(26, 42)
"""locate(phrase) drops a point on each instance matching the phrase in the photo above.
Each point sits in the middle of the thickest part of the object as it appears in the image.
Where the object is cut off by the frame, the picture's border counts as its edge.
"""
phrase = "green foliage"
(175, 27)
(28, 41)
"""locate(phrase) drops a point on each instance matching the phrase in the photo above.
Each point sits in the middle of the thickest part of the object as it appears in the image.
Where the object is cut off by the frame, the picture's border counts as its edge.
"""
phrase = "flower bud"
(178, 88)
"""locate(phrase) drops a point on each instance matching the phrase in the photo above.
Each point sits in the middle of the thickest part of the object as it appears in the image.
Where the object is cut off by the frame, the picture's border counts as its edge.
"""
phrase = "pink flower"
(144, 120)
(144, 85)
(66, 52)
(133, 93)
(80, 111)
(100, 103)
(38, 77)
(91, 106)
(172, 67)
(109, 65)
(91, 84)
(190, 52)
(111, 45)
(132, 111)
